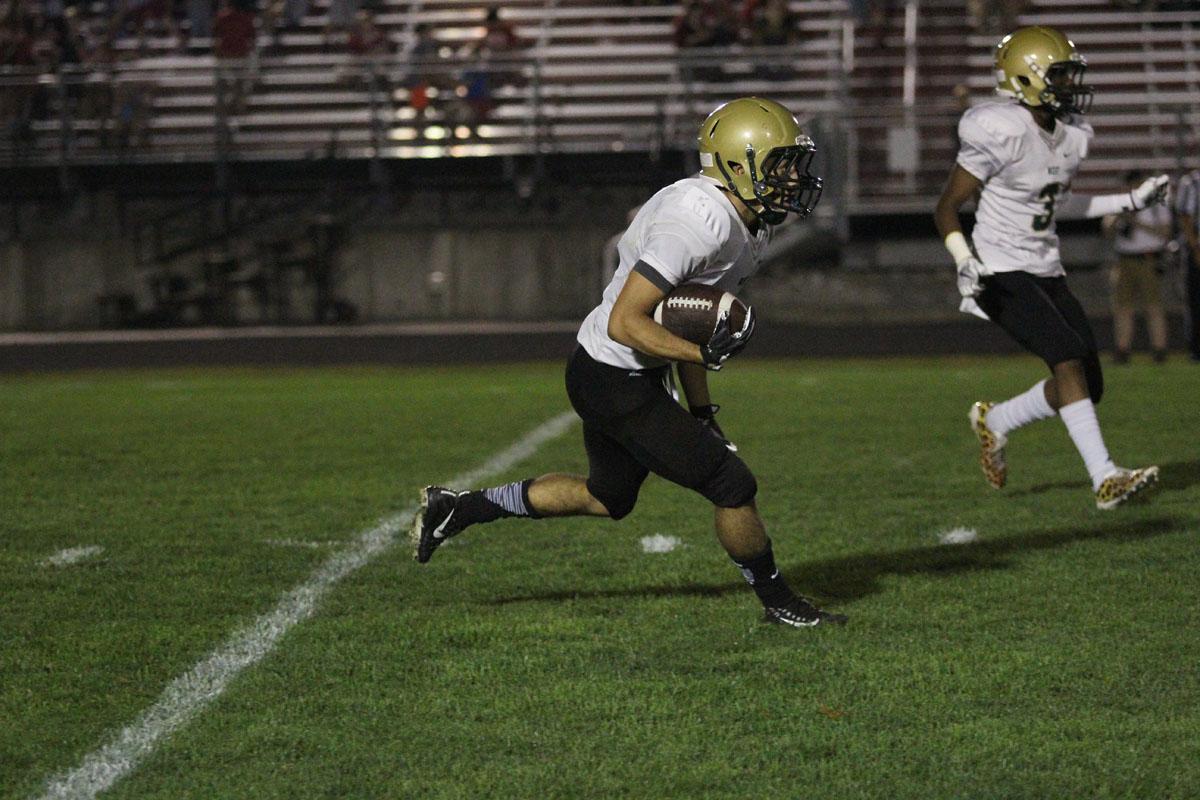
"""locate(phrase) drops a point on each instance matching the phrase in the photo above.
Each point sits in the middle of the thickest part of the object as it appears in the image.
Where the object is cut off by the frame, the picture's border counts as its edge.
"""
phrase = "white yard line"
(187, 695)
(72, 555)
(300, 544)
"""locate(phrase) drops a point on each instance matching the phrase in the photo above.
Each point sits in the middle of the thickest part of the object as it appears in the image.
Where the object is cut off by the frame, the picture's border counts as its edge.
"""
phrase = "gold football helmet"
(756, 149)
(1041, 67)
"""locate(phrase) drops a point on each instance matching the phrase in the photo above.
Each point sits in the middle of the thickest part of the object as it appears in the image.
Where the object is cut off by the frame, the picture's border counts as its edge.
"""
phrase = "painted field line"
(187, 695)
(301, 545)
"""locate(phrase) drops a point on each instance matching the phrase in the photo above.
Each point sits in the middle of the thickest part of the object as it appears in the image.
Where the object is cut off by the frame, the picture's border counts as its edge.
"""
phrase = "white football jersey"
(687, 233)
(1025, 171)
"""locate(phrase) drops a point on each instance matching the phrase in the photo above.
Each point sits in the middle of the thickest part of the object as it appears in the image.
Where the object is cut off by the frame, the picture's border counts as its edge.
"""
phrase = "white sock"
(1081, 422)
(1027, 407)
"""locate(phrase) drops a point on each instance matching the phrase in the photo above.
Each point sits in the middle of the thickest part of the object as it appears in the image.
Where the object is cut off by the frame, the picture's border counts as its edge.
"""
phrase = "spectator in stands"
(771, 23)
(871, 17)
(1140, 238)
(18, 49)
(493, 65)
(235, 44)
(294, 12)
(367, 38)
(700, 24)
(200, 21)
(499, 36)
(341, 16)
(98, 58)
(132, 104)
(706, 23)
(995, 16)
(156, 17)
(1187, 207)
(234, 32)
(422, 71)
(62, 46)
(370, 45)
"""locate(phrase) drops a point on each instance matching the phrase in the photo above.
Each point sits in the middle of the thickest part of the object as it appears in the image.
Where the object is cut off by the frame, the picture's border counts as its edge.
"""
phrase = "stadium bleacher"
(602, 77)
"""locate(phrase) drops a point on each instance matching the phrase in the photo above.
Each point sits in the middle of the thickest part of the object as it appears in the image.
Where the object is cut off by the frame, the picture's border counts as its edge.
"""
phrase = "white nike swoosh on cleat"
(437, 532)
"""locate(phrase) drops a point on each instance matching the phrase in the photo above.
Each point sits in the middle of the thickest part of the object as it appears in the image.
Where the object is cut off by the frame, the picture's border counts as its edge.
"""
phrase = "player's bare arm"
(632, 323)
(961, 186)
(693, 379)
(1151, 191)
(1187, 224)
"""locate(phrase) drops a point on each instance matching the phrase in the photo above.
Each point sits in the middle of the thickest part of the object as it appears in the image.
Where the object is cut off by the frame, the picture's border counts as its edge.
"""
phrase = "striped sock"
(498, 502)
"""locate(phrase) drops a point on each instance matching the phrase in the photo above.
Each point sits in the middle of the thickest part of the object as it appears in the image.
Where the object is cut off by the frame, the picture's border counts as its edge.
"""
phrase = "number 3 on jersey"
(1049, 195)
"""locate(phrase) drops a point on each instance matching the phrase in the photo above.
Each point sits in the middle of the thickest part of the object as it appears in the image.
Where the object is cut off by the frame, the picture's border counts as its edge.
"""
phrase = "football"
(691, 311)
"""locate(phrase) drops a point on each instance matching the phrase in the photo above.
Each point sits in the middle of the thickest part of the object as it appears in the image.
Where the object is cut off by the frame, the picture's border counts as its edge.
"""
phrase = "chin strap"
(728, 178)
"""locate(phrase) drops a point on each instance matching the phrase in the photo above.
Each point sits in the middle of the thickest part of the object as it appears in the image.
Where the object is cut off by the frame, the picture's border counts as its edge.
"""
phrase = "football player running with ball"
(1020, 156)
(711, 228)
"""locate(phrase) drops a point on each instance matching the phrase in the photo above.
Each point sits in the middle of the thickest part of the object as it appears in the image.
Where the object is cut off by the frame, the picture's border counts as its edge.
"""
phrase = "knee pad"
(732, 485)
(619, 503)
(1095, 377)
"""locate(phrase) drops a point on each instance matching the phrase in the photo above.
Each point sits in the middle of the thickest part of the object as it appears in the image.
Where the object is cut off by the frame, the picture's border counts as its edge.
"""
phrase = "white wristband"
(956, 243)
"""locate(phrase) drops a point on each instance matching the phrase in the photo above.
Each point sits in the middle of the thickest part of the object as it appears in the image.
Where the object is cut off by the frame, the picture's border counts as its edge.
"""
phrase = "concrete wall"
(471, 273)
(53, 283)
(412, 265)
(389, 272)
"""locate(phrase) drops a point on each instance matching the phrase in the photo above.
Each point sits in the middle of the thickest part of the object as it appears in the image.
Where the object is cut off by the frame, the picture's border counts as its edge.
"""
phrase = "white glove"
(1151, 192)
(970, 272)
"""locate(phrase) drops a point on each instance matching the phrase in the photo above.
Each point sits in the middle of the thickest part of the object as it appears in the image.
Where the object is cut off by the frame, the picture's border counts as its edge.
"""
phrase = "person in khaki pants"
(1187, 209)
(1139, 238)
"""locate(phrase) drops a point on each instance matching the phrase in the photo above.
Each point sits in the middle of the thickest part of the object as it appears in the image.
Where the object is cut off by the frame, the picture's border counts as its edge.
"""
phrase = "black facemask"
(1065, 90)
(786, 185)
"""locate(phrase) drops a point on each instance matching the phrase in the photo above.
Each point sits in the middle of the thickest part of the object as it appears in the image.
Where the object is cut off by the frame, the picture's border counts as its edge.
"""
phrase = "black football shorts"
(1041, 314)
(633, 426)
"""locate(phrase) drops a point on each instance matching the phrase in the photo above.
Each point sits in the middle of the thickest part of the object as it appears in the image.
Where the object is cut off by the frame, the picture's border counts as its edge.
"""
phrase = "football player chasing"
(1021, 156)
(711, 228)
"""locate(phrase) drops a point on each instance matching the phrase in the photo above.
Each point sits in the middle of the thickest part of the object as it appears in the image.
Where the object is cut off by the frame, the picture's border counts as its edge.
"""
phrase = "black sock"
(486, 505)
(764, 578)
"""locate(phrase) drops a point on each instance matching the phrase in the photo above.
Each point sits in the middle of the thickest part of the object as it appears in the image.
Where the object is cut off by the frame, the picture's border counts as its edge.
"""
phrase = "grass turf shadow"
(858, 576)
(1179, 475)
(855, 577)
(1173, 477)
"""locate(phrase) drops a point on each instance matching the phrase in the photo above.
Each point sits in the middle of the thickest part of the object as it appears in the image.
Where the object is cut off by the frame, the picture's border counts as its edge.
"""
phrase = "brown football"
(691, 311)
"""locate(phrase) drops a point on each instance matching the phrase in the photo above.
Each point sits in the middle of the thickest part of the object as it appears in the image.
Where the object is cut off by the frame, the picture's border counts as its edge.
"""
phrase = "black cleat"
(434, 522)
(801, 613)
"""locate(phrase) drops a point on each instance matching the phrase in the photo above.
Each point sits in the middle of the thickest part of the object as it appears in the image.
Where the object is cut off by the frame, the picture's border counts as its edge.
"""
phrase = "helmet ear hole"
(1024, 80)
(735, 167)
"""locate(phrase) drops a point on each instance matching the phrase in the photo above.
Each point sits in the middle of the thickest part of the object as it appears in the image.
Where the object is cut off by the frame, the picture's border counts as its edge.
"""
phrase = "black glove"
(726, 344)
(707, 415)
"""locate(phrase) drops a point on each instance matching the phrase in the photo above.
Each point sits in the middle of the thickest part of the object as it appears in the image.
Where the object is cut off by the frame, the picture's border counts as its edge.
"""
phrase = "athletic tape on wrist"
(956, 243)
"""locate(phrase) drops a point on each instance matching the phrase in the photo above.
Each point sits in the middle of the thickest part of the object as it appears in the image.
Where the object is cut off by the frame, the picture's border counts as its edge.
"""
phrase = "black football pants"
(632, 426)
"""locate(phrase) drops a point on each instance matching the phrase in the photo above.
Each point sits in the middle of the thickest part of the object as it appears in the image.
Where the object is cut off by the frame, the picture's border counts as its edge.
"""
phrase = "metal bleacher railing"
(603, 78)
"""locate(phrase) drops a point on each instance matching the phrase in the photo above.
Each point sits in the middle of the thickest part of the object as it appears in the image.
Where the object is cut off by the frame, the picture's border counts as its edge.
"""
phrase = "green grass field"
(1055, 657)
